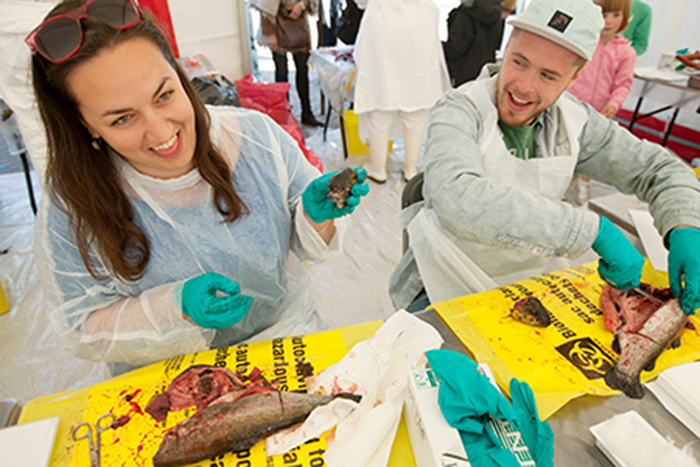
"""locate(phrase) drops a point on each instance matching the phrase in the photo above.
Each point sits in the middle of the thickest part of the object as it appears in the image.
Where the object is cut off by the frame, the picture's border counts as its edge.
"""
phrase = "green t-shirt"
(639, 27)
(520, 140)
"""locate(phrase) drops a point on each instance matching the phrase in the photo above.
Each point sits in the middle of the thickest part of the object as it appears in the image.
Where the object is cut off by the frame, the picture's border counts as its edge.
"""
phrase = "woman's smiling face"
(132, 98)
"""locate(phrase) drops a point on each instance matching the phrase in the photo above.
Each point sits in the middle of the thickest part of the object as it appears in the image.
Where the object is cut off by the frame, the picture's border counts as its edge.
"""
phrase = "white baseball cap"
(573, 24)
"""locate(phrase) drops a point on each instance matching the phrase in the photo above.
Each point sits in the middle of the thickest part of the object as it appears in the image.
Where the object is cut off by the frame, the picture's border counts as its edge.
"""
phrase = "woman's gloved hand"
(320, 209)
(203, 304)
(620, 263)
(684, 267)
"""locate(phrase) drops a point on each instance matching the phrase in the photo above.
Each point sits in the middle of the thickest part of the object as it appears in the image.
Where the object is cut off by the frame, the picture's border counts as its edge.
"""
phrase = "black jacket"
(474, 31)
(349, 22)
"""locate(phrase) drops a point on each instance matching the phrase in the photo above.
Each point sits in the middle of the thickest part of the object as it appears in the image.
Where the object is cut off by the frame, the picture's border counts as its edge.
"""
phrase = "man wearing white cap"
(502, 150)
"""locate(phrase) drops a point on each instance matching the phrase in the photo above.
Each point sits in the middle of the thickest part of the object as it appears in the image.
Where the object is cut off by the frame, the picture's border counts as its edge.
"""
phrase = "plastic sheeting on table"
(127, 396)
(568, 358)
(336, 73)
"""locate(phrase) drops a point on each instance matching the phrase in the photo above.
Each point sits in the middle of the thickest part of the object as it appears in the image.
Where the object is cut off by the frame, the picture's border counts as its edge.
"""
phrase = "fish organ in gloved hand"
(642, 329)
(339, 186)
(235, 426)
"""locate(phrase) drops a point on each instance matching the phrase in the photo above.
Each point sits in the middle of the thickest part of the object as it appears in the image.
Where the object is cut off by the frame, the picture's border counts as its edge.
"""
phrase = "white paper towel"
(651, 240)
(376, 368)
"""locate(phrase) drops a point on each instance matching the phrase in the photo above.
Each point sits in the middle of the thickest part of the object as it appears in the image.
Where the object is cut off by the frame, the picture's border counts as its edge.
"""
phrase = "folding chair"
(412, 193)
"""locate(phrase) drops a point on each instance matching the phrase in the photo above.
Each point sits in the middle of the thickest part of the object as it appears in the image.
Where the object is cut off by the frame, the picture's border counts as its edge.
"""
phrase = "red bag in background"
(271, 99)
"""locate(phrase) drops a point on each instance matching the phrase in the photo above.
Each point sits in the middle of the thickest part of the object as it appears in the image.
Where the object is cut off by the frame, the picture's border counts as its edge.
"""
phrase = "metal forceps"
(86, 432)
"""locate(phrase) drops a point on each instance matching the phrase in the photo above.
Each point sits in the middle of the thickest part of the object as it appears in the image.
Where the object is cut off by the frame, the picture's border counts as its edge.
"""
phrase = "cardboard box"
(434, 442)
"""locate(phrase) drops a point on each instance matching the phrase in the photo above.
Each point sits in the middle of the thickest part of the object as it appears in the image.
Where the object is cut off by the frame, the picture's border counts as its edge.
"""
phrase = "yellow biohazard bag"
(138, 436)
(568, 358)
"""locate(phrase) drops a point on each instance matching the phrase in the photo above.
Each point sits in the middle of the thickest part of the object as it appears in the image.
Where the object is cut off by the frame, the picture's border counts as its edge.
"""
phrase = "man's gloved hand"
(320, 209)
(620, 263)
(202, 303)
(684, 267)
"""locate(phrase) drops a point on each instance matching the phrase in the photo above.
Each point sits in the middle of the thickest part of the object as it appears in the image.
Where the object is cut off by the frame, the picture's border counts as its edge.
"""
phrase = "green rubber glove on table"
(620, 263)
(684, 267)
(320, 209)
(538, 435)
(467, 399)
(203, 304)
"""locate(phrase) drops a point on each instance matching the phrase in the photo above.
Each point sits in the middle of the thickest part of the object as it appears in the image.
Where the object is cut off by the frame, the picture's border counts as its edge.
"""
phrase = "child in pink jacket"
(606, 80)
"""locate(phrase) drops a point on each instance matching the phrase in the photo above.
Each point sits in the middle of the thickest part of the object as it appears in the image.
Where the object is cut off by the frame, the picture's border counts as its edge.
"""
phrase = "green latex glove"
(203, 305)
(320, 209)
(620, 263)
(537, 434)
(466, 399)
(684, 267)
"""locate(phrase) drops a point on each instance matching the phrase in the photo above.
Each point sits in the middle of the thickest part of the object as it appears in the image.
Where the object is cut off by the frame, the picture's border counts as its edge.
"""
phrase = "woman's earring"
(96, 143)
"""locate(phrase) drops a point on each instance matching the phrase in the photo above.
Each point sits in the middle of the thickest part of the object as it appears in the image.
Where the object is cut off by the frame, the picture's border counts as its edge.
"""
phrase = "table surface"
(616, 208)
(683, 87)
(574, 445)
(666, 92)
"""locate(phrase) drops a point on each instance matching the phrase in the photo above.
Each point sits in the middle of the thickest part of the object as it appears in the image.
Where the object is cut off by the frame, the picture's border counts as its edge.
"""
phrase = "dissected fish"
(339, 186)
(200, 385)
(627, 310)
(530, 311)
(641, 344)
(235, 426)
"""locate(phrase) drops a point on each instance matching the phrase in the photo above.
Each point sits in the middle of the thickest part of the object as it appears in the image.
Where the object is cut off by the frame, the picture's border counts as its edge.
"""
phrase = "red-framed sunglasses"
(60, 37)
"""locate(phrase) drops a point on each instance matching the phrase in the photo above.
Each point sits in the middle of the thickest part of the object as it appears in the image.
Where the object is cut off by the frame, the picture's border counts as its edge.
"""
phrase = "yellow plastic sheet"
(568, 358)
(136, 442)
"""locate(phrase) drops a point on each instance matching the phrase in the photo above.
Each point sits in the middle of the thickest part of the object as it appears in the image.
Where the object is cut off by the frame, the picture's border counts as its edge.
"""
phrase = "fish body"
(639, 348)
(234, 426)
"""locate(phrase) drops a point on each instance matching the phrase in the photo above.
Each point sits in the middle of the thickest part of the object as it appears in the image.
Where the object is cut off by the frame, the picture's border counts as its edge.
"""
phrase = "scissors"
(87, 433)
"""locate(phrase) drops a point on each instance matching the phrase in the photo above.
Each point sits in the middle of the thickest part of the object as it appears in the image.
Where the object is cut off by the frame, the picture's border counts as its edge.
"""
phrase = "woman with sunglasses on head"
(168, 225)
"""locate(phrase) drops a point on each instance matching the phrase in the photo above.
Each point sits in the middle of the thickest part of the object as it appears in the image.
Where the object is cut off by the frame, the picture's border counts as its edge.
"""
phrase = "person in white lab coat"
(401, 72)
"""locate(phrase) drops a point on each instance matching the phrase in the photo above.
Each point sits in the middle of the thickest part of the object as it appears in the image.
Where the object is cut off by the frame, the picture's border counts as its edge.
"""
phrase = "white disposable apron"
(452, 267)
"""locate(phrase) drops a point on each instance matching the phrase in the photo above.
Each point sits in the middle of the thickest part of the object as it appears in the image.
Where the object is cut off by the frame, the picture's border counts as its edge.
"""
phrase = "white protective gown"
(141, 322)
(451, 267)
(400, 63)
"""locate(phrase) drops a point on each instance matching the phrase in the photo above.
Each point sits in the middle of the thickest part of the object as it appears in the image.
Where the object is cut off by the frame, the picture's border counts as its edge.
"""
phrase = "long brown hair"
(84, 182)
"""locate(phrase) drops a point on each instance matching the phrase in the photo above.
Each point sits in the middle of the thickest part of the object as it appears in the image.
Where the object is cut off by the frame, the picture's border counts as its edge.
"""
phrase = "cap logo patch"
(560, 21)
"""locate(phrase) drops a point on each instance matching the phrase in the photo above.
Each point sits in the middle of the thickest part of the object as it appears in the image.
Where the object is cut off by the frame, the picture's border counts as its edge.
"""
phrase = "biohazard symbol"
(585, 355)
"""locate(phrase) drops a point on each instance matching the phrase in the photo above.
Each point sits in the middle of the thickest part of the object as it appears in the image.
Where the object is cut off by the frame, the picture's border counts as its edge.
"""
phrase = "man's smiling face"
(535, 72)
